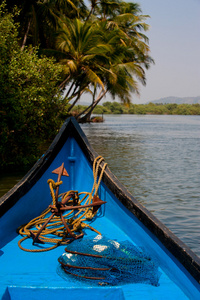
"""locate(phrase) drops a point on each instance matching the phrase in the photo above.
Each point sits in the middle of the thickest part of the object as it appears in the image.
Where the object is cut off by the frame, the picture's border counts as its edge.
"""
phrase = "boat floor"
(28, 275)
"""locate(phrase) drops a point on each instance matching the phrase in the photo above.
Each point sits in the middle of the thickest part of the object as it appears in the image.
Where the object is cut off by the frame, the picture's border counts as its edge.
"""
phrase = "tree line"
(143, 109)
(54, 51)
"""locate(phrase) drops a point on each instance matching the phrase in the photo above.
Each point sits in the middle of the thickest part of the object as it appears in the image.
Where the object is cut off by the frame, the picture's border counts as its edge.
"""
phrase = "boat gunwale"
(173, 244)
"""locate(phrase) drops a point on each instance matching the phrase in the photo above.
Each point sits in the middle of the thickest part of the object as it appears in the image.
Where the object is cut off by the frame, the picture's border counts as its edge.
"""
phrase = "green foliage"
(99, 110)
(151, 109)
(103, 52)
(28, 109)
(77, 109)
(187, 109)
(115, 108)
(171, 107)
(102, 49)
(102, 46)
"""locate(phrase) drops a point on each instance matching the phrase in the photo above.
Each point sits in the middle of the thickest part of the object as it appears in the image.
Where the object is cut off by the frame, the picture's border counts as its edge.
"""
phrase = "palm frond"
(94, 78)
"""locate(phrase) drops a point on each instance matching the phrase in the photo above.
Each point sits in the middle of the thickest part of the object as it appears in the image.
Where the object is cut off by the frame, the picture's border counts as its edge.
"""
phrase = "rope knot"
(53, 183)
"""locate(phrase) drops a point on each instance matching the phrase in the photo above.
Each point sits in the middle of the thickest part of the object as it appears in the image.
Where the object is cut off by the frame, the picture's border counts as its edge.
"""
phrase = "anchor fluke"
(57, 171)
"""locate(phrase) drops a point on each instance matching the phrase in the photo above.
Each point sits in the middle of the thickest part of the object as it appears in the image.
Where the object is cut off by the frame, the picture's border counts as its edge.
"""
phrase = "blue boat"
(70, 230)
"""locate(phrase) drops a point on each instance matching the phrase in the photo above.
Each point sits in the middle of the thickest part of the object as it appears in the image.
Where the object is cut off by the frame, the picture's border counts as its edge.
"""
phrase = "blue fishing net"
(106, 261)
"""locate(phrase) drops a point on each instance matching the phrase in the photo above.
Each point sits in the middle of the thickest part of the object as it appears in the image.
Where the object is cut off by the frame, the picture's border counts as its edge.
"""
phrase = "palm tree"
(123, 26)
(84, 51)
(39, 19)
(130, 54)
(118, 72)
(102, 50)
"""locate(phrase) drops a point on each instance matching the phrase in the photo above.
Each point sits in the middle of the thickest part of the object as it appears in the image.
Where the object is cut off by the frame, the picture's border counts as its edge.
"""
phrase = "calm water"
(158, 159)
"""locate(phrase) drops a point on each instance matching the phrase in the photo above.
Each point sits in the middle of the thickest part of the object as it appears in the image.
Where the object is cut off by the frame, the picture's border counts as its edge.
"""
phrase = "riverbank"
(143, 109)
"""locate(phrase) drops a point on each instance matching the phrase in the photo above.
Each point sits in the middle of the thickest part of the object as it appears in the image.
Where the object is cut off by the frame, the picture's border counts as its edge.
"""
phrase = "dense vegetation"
(51, 52)
(102, 47)
(143, 109)
(28, 107)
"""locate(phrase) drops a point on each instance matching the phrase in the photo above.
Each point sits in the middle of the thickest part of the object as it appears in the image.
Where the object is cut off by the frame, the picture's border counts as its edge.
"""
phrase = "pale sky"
(174, 39)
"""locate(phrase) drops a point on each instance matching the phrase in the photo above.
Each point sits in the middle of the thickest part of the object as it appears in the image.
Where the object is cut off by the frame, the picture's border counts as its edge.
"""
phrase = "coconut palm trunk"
(88, 111)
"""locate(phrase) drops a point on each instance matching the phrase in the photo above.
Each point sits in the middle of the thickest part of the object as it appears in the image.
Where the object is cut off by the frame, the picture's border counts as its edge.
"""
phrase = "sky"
(174, 39)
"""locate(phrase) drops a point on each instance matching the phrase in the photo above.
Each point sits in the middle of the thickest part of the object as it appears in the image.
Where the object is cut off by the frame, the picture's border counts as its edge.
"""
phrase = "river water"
(158, 159)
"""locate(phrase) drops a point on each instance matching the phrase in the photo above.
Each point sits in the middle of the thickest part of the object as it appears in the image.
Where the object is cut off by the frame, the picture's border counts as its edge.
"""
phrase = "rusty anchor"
(61, 206)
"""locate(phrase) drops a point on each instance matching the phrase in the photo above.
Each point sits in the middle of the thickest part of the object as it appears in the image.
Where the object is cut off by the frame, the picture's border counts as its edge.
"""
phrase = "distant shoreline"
(143, 109)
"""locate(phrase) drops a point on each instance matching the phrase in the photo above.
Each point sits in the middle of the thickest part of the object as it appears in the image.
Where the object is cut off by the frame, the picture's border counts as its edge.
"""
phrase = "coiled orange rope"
(55, 232)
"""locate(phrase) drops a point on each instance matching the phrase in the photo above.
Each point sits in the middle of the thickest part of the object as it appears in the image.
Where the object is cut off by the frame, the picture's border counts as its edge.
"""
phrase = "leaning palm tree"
(103, 50)
(83, 53)
(119, 72)
(123, 26)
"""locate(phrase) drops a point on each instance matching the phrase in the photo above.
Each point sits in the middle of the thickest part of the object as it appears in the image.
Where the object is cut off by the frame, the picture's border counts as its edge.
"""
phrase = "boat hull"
(29, 275)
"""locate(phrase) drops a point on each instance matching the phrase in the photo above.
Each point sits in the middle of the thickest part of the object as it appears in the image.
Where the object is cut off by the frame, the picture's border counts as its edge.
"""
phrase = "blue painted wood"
(25, 275)
(18, 293)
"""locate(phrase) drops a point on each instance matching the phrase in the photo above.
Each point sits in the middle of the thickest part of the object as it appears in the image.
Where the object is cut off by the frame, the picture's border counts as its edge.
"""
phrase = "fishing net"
(107, 261)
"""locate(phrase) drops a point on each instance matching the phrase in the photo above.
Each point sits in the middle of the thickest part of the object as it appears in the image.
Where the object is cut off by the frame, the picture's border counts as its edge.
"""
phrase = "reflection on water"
(8, 180)
(158, 159)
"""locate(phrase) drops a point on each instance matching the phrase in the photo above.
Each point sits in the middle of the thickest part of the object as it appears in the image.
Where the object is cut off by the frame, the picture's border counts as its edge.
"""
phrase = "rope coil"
(67, 217)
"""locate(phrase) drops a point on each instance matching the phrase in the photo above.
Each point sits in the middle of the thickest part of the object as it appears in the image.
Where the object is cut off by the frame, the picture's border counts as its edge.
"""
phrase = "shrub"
(30, 104)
